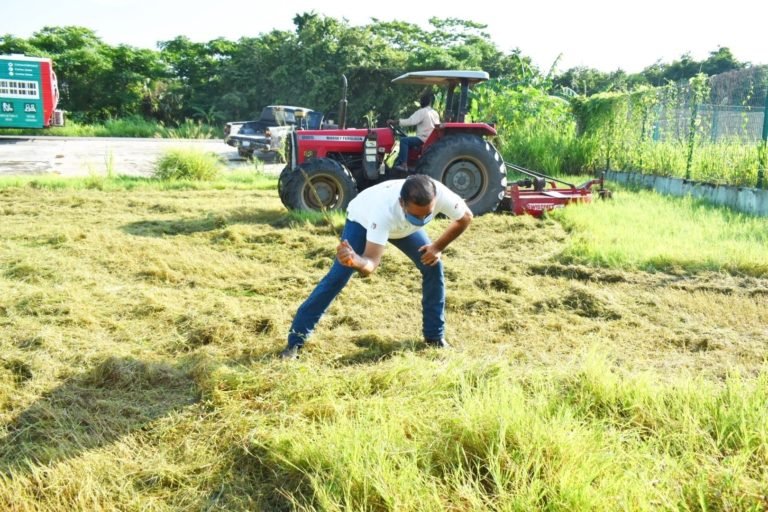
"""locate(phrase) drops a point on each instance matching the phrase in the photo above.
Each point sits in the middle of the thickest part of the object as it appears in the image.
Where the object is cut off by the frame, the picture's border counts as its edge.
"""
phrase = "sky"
(606, 35)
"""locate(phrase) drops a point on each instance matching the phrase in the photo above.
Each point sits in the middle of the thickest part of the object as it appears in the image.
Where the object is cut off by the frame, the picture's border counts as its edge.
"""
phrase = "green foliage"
(638, 131)
(189, 129)
(128, 127)
(222, 80)
(588, 81)
(187, 164)
(699, 90)
(133, 126)
(535, 130)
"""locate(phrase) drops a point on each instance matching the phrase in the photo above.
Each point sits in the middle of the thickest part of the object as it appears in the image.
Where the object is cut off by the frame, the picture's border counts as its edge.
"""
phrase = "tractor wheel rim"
(325, 190)
(465, 178)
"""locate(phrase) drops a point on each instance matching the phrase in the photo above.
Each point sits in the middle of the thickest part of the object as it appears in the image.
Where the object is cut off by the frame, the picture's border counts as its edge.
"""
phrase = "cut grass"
(138, 365)
(237, 179)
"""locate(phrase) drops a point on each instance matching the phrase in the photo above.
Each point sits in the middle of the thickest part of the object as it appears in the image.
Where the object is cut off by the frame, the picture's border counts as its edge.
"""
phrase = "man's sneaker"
(441, 343)
(290, 352)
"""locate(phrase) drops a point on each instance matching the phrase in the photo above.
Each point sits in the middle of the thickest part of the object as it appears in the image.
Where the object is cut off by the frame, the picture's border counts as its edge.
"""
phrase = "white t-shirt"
(378, 210)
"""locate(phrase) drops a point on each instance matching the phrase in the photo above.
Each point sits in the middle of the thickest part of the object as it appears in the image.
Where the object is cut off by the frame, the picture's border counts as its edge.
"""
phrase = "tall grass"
(189, 129)
(127, 127)
(647, 231)
(441, 435)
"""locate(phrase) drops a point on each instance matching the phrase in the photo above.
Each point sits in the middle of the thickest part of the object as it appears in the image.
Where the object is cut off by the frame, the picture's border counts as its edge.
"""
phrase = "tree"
(80, 60)
(130, 74)
(583, 80)
(237, 79)
(721, 61)
(196, 70)
(11, 44)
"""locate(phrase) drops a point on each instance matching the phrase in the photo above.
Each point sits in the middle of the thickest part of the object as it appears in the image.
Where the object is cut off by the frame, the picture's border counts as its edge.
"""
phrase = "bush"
(187, 164)
(189, 129)
(133, 126)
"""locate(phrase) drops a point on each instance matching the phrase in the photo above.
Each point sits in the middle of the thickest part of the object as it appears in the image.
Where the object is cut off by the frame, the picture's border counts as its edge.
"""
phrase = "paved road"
(71, 156)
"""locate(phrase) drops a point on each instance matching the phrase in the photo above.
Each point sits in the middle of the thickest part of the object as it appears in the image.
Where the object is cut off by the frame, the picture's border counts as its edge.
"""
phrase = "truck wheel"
(470, 166)
(319, 184)
(268, 156)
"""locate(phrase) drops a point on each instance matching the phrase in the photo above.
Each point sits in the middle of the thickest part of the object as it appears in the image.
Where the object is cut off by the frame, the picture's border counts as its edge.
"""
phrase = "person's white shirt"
(425, 119)
(378, 210)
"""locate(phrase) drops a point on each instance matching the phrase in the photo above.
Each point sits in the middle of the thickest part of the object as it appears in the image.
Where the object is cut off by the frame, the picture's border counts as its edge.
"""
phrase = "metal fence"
(716, 123)
(733, 110)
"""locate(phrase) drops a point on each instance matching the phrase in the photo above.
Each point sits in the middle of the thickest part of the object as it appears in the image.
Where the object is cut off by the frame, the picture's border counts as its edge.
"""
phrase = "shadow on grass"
(278, 219)
(159, 228)
(376, 349)
(91, 410)
(261, 478)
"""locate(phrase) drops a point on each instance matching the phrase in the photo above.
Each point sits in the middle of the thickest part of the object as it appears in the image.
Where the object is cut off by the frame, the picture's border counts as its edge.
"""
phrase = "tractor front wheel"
(320, 184)
(470, 166)
(282, 184)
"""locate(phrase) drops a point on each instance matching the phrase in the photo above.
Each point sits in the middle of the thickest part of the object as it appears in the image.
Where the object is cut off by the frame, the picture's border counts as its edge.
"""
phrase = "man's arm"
(364, 264)
(430, 254)
(415, 118)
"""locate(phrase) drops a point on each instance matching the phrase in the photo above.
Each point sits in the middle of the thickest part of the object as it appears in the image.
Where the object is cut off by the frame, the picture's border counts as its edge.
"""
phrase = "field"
(610, 357)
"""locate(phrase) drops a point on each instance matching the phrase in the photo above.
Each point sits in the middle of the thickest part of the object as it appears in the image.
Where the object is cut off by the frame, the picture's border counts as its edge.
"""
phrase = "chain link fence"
(722, 117)
(733, 110)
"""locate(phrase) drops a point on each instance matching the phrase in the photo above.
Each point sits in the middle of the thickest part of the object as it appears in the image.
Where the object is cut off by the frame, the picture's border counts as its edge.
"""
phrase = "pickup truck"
(264, 137)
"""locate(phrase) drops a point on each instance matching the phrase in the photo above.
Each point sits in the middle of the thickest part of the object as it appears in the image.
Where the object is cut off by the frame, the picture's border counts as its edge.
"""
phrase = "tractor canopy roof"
(442, 78)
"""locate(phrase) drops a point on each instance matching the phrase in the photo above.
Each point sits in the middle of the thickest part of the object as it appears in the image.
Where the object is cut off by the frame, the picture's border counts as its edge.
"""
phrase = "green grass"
(647, 231)
(138, 365)
(127, 127)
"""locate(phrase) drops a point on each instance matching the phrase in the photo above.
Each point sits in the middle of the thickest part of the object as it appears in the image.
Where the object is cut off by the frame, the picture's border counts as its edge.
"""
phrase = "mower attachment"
(531, 195)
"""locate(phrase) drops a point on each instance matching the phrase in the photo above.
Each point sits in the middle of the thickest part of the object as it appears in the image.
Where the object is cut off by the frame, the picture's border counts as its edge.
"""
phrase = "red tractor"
(326, 168)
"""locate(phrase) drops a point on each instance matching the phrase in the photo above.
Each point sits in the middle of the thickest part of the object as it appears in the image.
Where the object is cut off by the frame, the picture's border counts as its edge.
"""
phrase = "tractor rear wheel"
(318, 184)
(470, 166)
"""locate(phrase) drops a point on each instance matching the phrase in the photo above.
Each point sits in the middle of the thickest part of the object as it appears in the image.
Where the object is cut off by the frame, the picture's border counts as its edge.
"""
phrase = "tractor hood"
(442, 78)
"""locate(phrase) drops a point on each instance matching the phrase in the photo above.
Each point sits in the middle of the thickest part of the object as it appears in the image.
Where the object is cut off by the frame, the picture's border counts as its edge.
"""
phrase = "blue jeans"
(432, 287)
(405, 144)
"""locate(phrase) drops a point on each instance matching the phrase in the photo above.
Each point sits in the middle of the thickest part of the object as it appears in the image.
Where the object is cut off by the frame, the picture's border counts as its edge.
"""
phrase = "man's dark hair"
(426, 99)
(418, 189)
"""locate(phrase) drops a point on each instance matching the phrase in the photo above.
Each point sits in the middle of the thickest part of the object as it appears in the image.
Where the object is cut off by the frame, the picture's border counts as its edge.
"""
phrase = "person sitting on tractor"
(394, 211)
(425, 119)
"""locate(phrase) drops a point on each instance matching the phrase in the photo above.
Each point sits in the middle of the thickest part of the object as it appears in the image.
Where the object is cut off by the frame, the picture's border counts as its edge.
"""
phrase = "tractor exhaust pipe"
(343, 103)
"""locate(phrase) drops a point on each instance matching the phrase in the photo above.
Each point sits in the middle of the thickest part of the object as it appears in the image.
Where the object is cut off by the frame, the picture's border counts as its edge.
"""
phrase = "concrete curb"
(744, 199)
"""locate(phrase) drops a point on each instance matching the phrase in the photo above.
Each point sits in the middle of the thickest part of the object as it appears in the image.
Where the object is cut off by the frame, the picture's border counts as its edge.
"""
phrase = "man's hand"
(430, 254)
(346, 255)
(391, 122)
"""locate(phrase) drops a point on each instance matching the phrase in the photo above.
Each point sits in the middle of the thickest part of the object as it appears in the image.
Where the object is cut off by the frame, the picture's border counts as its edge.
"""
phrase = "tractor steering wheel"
(397, 130)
